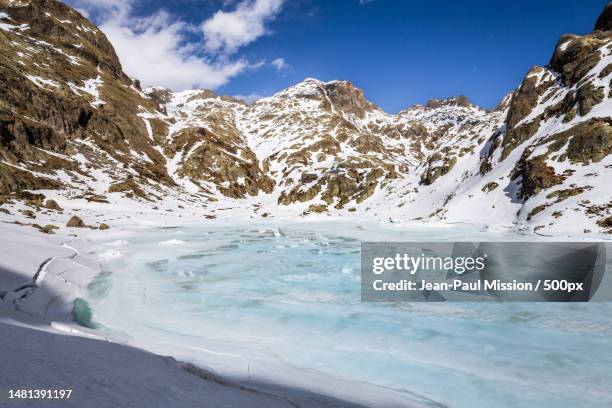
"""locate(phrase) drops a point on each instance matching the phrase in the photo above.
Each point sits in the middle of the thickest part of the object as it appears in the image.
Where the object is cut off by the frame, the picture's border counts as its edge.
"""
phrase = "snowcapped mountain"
(315, 141)
(71, 120)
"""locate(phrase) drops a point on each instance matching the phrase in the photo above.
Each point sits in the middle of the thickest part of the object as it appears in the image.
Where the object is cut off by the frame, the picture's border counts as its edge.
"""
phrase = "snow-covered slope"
(103, 374)
(74, 122)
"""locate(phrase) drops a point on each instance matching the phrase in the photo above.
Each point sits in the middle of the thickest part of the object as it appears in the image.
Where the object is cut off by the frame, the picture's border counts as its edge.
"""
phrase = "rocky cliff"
(71, 120)
(67, 110)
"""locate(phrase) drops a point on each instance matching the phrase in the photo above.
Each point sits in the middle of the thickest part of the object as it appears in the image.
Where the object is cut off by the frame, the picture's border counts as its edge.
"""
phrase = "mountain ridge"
(72, 123)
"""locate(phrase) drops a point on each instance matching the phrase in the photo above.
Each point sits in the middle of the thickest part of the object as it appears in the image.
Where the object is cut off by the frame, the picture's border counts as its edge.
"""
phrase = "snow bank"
(102, 374)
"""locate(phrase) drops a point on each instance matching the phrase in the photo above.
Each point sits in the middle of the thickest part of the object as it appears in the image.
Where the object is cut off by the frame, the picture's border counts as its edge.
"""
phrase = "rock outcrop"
(63, 94)
(604, 22)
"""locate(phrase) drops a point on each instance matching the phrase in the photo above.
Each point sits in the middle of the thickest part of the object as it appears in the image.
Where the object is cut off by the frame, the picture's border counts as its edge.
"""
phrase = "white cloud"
(153, 50)
(104, 9)
(225, 32)
(161, 50)
(280, 64)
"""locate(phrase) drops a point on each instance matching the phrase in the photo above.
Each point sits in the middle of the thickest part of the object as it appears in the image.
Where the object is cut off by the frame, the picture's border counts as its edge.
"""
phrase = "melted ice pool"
(248, 300)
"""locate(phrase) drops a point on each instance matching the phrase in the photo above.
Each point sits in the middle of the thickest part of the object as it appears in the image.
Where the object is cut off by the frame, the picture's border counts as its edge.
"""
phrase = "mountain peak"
(504, 103)
(347, 97)
(159, 95)
(311, 80)
(604, 22)
(336, 95)
(461, 101)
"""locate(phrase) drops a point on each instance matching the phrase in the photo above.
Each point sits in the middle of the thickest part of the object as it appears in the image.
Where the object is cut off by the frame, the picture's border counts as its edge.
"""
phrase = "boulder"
(52, 205)
(487, 188)
(317, 208)
(28, 213)
(49, 229)
(75, 222)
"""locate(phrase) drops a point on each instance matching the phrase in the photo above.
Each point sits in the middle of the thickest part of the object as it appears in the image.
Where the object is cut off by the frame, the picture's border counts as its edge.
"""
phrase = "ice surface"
(258, 302)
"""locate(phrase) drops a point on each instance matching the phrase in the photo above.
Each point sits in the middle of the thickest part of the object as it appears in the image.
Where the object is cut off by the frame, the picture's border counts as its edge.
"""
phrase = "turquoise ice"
(290, 295)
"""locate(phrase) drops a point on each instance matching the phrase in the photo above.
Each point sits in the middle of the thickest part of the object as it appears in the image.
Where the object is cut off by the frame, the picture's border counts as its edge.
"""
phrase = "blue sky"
(399, 52)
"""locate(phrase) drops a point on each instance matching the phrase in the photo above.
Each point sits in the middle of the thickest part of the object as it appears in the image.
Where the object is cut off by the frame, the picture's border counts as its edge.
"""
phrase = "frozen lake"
(255, 301)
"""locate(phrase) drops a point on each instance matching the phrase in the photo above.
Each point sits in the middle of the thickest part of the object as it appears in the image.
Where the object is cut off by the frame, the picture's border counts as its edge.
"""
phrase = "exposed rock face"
(161, 96)
(63, 93)
(588, 142)
(344, 97)
(604, 22)
(576, 55)
(14, 179)
(217, 159)
(524, 100)
(460, 100)
(536, 175)
(70, 119)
